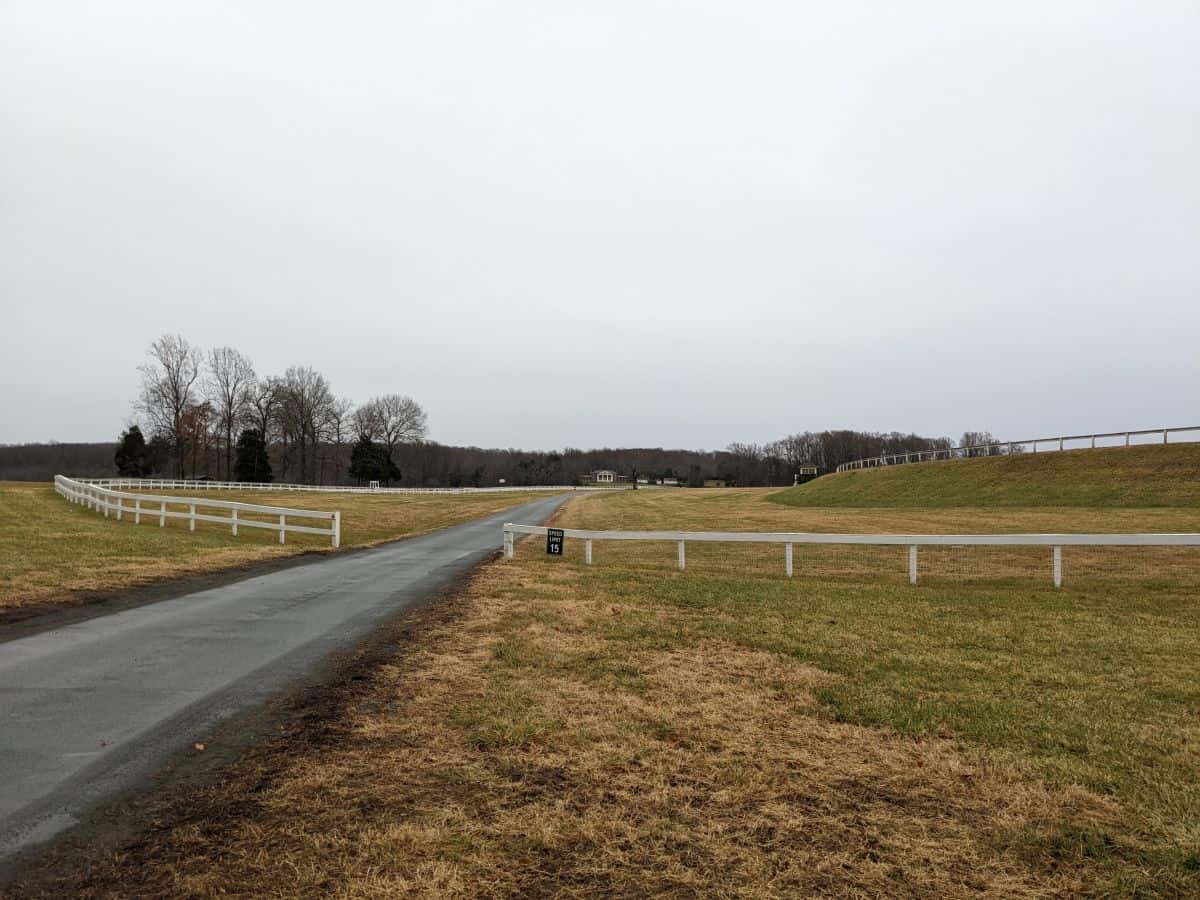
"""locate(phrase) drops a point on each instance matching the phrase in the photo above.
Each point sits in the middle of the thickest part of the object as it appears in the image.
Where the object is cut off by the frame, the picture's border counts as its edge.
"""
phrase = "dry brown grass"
(54, 551)
(563, 730)
(520, 750)
(748, 509)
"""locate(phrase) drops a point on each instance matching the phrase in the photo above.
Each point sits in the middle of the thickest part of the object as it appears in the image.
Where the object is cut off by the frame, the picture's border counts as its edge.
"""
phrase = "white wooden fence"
(912, 541)
(162, 484)
(158, 506)
(1002, 448)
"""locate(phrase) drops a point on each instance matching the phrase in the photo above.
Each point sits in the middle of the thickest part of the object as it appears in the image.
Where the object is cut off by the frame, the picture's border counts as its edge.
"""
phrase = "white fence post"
(102, 495)
(587, 551)
(912, 563)
(682, 557)
(787, 559)
(1058, 566)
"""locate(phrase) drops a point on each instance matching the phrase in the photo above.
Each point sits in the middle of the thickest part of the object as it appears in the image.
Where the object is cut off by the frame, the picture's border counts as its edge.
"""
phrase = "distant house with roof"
(604, 476)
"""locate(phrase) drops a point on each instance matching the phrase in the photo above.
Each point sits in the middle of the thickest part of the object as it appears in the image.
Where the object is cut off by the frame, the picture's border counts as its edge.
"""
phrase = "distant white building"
(604, 476)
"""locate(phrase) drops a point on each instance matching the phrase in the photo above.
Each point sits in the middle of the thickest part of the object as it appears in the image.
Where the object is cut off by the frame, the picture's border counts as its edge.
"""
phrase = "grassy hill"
(1142, 476)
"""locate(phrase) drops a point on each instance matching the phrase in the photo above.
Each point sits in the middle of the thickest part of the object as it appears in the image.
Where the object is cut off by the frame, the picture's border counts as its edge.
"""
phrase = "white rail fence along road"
(913, 542)
(161, 484)
(1002, 448)
(158, 506)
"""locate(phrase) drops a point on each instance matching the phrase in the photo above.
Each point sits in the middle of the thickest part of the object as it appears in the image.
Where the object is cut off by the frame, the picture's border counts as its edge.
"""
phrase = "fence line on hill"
(109, 501)
(1003, 448)
(913, 541)
(167, 484)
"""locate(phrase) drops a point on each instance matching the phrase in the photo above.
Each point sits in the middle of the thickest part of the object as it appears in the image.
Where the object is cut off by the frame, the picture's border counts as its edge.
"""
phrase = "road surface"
(90, 709)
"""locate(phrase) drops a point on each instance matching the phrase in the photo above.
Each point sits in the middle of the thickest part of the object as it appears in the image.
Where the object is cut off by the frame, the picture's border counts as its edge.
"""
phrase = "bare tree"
(198, 426)
(168, 382)
(305, 406)
(395, 419)
(262, 406)
(980, 443)
(365, 423)
(230, 379)
(339, 430)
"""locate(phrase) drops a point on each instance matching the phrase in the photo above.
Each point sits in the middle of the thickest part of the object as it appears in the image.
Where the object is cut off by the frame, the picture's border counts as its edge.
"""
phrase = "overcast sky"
(627, 224)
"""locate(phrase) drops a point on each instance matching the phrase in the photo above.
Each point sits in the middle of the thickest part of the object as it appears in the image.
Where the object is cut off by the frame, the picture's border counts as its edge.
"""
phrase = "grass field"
(54, 551)
(1140, 476)
(626, 729)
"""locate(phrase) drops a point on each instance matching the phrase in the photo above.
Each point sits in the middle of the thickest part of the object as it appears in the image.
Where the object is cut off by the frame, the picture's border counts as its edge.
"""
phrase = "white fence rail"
(157, 506)
(1001, 448)
(162, 484)
(913, 541)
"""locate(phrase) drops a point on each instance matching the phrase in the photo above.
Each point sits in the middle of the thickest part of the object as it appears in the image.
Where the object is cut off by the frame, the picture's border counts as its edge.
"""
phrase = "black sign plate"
(554, 541)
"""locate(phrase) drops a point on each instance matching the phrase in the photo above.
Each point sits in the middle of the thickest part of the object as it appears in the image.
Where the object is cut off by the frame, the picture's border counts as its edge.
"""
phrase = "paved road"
(89, 709)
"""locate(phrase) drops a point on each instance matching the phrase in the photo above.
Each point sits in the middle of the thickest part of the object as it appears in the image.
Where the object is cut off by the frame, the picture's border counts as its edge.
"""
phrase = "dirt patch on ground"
(525, 739)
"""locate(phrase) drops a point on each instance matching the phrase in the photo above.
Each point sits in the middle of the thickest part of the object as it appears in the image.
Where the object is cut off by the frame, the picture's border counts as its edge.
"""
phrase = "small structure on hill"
(805, 473)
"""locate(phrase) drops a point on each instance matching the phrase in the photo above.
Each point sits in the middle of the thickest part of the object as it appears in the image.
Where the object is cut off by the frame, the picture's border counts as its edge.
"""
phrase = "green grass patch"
(1085, 686)
(1143, 476)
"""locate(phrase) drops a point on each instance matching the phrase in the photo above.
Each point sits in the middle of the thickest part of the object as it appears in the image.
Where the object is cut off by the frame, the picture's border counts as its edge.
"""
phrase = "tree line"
(210, 414)
(430, 464)
(776, 462)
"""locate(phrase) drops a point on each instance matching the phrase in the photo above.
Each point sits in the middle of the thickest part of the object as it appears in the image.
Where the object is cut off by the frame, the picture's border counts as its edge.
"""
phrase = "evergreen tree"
(132, 457)
(362, 460)
(253, 463)
(370, 461)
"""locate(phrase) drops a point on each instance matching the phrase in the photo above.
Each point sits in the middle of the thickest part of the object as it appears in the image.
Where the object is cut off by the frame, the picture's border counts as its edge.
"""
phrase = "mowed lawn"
(1130, 477)
(626, 729)
(55, 551)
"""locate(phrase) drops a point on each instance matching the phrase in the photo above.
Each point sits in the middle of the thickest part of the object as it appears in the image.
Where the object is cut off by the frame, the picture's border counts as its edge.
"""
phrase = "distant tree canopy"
(427, 463)
(191, 403)
(370, 461)
(133, 457)
(253, 461)
(195, 402)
